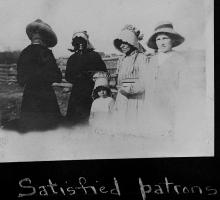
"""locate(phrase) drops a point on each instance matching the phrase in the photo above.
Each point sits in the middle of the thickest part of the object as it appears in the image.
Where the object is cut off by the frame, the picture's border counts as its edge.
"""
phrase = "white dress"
(101, 112)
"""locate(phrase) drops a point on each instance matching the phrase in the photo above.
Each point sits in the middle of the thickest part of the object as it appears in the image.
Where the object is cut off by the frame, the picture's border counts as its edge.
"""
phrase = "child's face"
(102, 93)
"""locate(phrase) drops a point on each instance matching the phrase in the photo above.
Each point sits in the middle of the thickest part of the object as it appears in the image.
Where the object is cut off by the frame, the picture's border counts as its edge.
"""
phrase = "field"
(87, 143)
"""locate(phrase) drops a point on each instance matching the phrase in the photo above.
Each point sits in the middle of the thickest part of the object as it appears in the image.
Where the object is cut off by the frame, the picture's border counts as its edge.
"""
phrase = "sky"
(103, 20)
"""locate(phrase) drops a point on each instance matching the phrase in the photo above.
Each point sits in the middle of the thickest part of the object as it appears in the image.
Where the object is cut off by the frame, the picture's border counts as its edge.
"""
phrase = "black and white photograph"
(106, 79)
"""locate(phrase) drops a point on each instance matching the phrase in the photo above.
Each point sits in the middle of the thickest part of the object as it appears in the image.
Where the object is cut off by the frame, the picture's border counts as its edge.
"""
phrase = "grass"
(11, 98)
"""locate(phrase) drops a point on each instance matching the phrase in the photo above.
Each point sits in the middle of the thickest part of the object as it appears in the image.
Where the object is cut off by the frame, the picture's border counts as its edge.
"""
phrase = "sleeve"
(99, 64)
(139, 86)
(71, 71)
(51, 71)
(23, 70)
(183, 74)
(118, 66)
(111, 105)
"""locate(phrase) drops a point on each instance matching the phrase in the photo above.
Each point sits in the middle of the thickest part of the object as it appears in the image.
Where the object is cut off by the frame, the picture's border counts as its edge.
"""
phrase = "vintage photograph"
(106, 79)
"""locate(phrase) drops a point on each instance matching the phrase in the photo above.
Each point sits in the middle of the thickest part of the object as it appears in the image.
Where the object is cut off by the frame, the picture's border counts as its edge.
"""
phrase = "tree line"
(9, 57)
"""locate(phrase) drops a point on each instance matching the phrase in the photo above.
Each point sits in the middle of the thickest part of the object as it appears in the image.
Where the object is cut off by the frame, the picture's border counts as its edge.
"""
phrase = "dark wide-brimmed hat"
(165, 28)
(45, 31)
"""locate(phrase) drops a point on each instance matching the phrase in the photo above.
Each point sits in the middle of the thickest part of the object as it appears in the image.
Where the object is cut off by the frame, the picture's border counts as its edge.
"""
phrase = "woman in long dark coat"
(37, 70)
(79, 71)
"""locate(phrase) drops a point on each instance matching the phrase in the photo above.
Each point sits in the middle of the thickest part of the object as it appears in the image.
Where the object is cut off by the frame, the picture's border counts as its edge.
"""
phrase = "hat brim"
(44, 29)
(117, 43)
(175, 37)
(89, 44)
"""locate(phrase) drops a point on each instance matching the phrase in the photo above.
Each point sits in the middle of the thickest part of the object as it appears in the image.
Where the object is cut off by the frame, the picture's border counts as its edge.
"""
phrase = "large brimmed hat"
(165, 28)
(45, 31)
(129, 34)
(85, 36)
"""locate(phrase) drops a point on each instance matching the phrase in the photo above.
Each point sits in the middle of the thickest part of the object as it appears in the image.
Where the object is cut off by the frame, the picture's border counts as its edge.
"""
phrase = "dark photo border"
(140, 179)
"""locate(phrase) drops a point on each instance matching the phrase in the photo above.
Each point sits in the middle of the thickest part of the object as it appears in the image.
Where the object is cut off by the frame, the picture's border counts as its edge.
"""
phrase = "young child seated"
(101, 109)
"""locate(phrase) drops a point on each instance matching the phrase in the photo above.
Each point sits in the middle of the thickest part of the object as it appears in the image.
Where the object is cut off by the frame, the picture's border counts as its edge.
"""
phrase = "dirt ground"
(10, 101)
(11, 97)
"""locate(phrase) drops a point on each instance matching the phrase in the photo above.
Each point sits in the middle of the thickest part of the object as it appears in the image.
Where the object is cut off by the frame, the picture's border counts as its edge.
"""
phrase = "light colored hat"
(130, 35)
(101, 82)
(101, 79)
(84, 35)
(46, 31)
(165, 27)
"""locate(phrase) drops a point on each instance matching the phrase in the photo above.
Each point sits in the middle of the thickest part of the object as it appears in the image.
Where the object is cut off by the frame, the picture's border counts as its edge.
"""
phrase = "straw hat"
(85, 36)
(44, 29)
(130, 35)
(165, 27)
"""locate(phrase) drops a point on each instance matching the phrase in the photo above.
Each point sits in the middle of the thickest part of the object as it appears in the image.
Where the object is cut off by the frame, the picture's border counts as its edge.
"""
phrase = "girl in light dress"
(102, 106)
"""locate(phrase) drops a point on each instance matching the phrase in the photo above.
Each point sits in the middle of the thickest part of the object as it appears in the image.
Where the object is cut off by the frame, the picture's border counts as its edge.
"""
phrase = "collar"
(132, 53)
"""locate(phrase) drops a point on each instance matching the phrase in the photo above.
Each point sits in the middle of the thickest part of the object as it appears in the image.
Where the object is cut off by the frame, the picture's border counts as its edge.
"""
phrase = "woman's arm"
(98, 64)
(138, 87)
(72, 72)
(51, 71)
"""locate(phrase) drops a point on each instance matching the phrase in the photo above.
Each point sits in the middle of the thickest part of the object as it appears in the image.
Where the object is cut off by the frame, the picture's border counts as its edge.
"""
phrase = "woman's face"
(164, 43)
(79, 43)
(125, 47)
(37, 38)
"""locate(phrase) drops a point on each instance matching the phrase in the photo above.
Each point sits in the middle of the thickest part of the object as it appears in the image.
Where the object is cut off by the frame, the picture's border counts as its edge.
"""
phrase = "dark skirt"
(39, 109)
(80, 103)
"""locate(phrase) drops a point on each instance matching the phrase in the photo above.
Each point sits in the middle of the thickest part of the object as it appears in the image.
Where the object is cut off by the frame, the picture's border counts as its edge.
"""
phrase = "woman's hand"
(125, 91)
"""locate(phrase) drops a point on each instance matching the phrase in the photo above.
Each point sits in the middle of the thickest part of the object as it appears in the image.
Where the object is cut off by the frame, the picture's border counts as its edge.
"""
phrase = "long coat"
(128, 109)
(176, 98)
(36, 71)
(164, 83)
(78, 72)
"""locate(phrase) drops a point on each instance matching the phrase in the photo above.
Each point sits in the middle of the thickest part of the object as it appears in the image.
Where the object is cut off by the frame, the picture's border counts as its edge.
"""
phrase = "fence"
(8, 72)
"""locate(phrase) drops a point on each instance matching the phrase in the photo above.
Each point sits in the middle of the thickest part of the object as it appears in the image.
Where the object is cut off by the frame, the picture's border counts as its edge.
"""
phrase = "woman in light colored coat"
(131, 66)
(169, 83)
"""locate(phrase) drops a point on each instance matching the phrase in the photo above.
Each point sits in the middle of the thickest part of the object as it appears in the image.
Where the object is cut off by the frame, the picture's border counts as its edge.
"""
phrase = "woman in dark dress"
(79, 71)
(37, 70)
